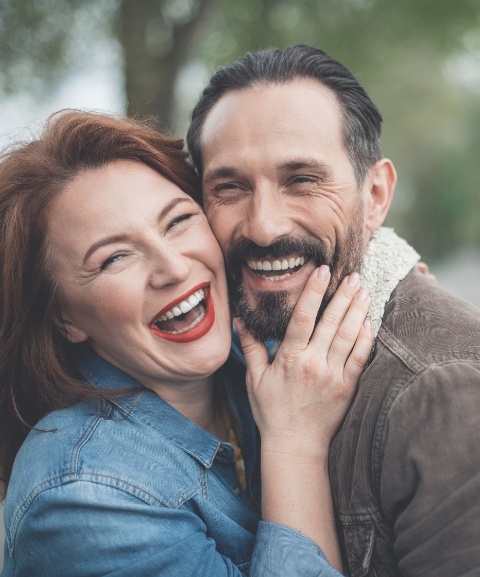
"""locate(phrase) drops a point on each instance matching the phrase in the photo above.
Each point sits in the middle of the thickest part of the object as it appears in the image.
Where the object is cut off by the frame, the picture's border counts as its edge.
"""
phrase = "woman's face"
(140, 275)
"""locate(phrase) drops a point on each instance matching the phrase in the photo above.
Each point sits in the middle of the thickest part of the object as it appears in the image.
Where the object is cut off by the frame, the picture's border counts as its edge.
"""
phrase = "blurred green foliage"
(418, 59)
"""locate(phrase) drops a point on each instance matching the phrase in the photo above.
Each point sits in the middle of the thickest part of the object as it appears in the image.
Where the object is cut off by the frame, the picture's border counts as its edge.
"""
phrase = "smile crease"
(286, 265)
(184, 316)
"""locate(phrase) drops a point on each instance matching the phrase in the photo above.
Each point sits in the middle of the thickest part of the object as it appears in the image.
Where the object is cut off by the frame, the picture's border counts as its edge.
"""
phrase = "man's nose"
(268, 217)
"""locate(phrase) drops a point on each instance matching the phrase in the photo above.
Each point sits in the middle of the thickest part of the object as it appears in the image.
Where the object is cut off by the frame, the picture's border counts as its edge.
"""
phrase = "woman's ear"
(382, 179)
(70, 331)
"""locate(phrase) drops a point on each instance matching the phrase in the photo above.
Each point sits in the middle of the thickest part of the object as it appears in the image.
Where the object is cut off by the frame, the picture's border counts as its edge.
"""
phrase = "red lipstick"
(197, 331)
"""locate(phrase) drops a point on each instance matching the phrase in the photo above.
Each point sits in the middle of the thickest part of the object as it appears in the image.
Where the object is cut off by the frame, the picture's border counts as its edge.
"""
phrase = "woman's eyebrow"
(121, 237)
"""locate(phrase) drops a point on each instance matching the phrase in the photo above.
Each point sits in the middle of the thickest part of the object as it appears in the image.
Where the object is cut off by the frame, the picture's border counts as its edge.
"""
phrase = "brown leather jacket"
(405, 466)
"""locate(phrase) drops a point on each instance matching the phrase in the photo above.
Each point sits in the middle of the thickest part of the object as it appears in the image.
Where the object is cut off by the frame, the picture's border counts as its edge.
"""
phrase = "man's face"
(281, 196)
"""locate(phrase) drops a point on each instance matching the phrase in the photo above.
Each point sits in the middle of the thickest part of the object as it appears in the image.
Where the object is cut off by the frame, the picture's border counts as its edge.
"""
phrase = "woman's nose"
(169, 267)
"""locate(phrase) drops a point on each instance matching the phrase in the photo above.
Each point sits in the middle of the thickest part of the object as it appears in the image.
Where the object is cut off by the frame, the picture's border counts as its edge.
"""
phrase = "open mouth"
(277, 269)
(187, 318)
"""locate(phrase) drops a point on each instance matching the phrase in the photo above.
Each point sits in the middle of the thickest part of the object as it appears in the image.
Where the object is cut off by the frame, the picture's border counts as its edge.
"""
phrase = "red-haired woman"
(134, 453)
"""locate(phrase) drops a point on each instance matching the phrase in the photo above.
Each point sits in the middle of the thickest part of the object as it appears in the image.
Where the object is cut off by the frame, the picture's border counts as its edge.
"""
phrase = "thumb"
(255, 352)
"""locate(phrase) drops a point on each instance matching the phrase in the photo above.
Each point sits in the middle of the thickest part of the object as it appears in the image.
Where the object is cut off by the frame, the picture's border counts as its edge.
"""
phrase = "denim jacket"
(134, 488)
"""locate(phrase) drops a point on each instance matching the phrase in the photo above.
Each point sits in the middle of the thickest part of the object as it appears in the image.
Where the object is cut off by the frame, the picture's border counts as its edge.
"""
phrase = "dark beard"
(268, 317)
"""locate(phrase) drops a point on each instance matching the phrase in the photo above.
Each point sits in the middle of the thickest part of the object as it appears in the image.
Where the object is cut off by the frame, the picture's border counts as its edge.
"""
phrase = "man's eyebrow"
(221, 172)
(301, 163)
(121, 237)
(287, 165)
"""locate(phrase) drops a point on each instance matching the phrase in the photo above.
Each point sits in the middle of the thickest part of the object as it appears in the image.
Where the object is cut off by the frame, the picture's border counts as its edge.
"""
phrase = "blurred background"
(418, 59)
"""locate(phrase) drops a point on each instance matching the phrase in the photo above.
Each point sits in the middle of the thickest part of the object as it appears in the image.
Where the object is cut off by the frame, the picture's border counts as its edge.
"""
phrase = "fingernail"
(367, 323)
(323, 272)
(353, 279)
(362, 294)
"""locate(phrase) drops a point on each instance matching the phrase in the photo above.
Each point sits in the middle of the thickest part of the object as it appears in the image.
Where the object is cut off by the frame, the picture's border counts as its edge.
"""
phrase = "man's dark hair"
(361, 118)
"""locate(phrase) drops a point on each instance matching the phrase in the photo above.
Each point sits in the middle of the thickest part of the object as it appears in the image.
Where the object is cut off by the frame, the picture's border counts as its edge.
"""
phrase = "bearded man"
(287, 143)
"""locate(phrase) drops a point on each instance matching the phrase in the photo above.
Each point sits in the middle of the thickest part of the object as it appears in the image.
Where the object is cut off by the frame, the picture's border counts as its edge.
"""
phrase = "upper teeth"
(283, 264)
(184, 306)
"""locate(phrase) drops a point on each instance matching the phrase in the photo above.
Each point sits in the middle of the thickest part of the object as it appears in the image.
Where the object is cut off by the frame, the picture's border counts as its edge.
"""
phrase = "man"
(288, 147)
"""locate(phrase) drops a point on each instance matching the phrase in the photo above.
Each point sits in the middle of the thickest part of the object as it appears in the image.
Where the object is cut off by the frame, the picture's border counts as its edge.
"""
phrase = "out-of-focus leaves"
(415, 57)
(40, 39)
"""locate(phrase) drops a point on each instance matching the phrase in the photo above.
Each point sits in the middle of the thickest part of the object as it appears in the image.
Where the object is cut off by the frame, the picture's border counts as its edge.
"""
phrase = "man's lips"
(197, 304)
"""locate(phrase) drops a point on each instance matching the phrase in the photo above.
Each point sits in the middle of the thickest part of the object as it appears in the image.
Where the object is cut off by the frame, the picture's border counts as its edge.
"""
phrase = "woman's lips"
(197, 301)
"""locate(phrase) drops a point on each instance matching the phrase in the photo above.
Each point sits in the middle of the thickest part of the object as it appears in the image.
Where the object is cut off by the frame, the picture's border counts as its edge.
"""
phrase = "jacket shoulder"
(428, 325)
(92, 443)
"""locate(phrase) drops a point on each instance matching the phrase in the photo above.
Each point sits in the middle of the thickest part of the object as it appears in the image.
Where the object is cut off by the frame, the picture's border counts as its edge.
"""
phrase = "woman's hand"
(300, 399)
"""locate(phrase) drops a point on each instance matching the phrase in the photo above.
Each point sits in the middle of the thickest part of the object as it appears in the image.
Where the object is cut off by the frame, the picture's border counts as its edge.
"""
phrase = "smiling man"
(288, 147)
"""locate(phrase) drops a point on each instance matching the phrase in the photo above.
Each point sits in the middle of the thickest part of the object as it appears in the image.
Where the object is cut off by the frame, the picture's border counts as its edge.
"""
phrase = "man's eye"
(226, 186)
(303, 179)
(111, 259)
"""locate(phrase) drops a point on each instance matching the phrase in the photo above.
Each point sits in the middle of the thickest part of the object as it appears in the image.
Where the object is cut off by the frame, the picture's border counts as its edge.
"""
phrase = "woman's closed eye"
(111, 259)
(179, 219)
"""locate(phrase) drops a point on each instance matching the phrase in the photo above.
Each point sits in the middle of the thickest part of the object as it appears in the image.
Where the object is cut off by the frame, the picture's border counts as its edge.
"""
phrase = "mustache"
(244, 249)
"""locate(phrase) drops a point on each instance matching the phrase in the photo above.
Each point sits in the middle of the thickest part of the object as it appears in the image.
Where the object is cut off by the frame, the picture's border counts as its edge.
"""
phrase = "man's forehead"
(299, 97)
(259, 117)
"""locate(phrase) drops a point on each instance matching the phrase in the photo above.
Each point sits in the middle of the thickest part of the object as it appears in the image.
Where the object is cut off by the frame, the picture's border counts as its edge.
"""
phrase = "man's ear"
(381, 181)
(70, 331)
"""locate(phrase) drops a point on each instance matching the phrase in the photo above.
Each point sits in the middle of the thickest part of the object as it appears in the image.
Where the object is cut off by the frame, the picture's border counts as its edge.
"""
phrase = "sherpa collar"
(387, 260)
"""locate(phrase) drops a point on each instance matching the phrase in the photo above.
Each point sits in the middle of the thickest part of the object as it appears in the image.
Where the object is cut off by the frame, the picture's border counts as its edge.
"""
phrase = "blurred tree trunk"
(157, 38)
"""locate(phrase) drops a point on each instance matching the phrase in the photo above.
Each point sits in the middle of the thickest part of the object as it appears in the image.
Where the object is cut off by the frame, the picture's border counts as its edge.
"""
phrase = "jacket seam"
(95, 478)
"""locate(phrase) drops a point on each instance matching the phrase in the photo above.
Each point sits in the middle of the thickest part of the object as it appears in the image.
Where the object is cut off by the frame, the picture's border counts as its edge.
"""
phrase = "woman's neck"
(198, 402)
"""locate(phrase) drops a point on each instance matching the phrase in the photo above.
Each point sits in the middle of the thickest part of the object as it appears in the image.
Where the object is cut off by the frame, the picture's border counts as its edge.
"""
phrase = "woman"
(134, 453)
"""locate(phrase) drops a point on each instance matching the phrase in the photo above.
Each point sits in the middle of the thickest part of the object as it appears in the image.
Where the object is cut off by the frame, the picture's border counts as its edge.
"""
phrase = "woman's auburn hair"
(37, 372)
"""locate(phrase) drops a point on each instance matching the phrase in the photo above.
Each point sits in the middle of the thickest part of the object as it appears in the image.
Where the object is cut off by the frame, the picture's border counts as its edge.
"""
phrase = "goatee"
(268, 316)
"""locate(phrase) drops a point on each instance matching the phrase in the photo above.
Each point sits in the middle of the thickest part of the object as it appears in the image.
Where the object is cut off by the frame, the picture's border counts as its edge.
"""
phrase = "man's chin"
(267, 317)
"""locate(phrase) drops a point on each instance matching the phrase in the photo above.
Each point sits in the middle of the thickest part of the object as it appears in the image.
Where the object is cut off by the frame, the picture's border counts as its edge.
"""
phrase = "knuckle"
(310, 368)
(303, 317)
(358, 360)
(348, 334)
(330, 319)
(248, 347)
(287, 362)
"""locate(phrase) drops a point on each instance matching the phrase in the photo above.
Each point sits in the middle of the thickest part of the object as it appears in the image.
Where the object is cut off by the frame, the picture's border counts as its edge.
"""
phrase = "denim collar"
(148, 407)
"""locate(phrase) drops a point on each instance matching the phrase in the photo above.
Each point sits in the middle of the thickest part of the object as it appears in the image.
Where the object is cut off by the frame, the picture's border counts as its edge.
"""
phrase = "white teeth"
(197, 321)
(184, 306)
(276, 265)
(274, 278)
(283, 264)
(193, 301)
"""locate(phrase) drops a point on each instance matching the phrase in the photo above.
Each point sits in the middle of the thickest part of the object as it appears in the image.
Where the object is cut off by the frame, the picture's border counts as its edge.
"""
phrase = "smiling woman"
(126, 438)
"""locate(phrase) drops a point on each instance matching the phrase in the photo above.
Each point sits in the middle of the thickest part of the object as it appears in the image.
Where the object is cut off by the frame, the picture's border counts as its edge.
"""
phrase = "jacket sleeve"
(430, 483)
(117, 535)
(280, 551)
